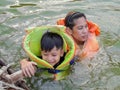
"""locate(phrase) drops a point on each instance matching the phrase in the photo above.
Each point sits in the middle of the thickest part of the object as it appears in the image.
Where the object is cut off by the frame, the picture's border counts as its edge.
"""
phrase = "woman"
(83, 32)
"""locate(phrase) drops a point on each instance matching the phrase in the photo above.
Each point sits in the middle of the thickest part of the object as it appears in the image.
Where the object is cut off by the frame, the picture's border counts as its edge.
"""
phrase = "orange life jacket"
(91, 46)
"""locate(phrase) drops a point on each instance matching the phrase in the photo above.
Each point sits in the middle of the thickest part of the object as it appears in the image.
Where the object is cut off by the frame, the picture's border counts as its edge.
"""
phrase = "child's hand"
(28, 67)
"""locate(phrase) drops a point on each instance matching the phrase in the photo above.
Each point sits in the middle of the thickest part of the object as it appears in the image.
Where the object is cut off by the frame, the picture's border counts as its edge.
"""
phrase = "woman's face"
(80, 30)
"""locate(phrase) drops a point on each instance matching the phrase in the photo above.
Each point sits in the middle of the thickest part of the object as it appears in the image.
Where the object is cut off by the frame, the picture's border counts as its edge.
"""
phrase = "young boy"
(52, 48)
(51, 52)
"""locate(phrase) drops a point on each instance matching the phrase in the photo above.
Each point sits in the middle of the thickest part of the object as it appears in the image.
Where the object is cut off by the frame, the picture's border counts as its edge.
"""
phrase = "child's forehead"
(53, 49)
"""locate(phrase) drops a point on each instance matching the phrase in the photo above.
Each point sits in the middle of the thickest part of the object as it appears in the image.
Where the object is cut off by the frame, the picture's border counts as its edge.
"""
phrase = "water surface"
(100, 73)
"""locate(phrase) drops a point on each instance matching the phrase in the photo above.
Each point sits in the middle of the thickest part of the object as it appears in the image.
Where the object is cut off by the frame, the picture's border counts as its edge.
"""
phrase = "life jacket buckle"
(53, 71)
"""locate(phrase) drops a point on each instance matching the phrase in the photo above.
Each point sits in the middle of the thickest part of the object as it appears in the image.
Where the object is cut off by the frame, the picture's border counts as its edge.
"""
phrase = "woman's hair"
(71, 16)
(50, 40)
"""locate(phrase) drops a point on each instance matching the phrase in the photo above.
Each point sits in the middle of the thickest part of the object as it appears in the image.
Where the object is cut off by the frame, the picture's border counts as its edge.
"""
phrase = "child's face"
(53, 56)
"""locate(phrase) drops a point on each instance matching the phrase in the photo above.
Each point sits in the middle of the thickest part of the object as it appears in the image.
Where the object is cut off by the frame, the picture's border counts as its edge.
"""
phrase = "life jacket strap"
(75, 59)
(54, 71)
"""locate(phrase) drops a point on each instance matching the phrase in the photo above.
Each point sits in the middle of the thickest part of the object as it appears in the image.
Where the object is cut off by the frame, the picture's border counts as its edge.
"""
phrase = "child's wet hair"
(50, 40)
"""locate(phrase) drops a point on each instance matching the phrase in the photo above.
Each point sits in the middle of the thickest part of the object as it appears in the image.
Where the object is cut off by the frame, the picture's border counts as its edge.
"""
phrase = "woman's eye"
(80, 28)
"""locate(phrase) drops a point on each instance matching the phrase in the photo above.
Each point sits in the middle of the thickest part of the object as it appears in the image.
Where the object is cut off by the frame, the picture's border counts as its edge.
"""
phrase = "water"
(100, 73)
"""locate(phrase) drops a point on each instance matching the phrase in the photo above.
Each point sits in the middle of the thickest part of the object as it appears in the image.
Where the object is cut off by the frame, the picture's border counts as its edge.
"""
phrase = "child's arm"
(28, 67)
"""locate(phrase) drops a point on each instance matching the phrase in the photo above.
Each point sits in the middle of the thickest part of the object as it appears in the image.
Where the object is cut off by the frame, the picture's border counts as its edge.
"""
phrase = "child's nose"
(50, 59)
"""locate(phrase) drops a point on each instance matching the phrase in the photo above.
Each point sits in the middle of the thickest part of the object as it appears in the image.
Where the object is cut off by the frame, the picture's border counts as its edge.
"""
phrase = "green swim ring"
(32, 47)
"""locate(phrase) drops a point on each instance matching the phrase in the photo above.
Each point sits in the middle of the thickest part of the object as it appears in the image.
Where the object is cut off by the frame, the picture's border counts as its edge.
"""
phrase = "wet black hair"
(50, 40)
(71, 16)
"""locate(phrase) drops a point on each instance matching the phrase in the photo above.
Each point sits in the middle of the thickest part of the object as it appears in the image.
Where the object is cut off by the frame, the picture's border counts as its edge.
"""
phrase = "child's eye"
(54, 55)
(45, 54)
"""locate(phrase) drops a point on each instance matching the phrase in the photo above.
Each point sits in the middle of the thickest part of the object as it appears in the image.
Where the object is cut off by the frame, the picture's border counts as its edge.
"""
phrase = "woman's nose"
(85, 30)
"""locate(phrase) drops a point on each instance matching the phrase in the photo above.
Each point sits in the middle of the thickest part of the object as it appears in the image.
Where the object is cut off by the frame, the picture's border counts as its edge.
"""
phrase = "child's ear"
(62, 52)
(68, 30)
